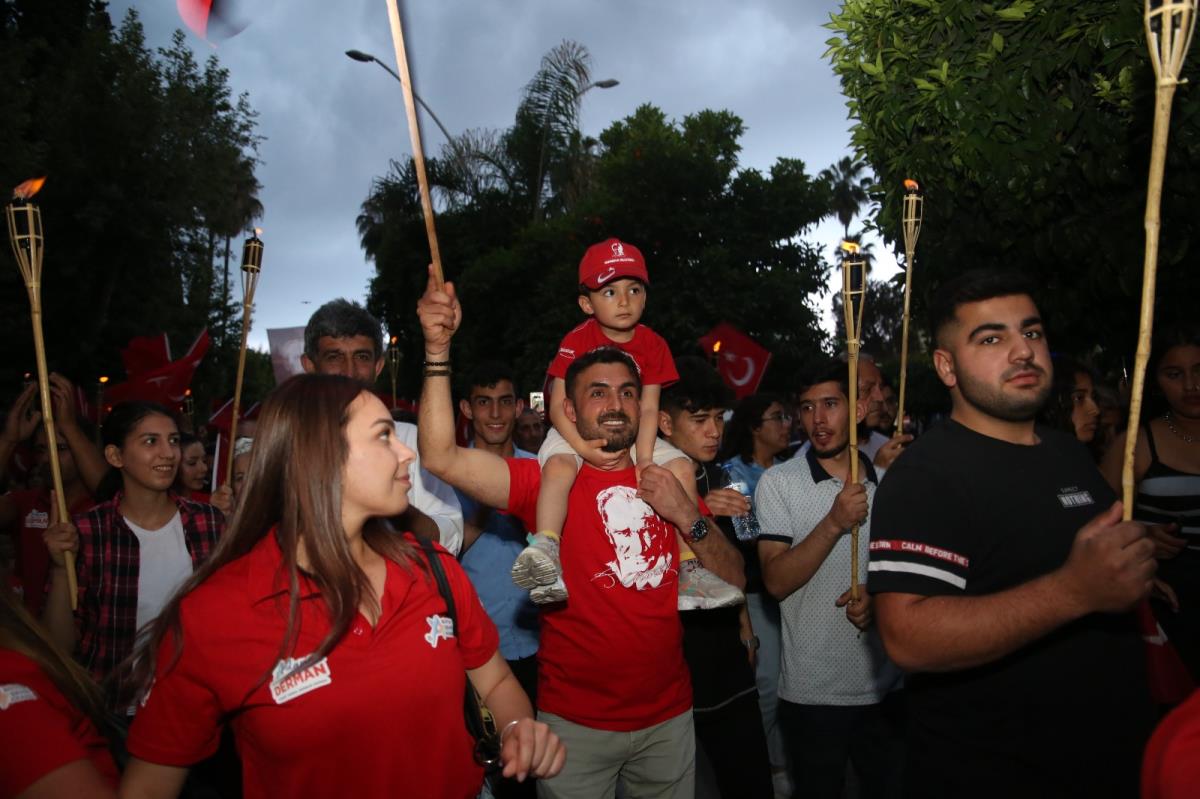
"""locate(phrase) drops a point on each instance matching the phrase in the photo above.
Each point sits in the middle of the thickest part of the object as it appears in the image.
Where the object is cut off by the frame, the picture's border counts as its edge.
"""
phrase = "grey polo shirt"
(824, 659)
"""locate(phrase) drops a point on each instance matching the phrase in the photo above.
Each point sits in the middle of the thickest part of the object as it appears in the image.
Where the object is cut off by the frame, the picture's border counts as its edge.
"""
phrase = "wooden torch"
(1169, 27)
(25, 236)
(252, 254)
(414, 134)
(854, 295)
(911, 220)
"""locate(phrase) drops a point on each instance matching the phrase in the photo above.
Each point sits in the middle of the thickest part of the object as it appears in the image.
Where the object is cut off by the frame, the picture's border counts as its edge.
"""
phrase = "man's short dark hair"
(342, 318)
(487, 374)
(699, 388)
(834, 371)
(975, 285)
(598, 356)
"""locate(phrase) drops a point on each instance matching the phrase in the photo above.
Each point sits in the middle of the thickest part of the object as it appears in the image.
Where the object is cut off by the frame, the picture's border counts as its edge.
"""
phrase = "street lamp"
(607, 83)
(367, 58)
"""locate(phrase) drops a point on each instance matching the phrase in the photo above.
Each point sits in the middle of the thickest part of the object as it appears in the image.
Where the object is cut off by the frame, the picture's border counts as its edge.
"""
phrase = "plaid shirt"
(107, 564)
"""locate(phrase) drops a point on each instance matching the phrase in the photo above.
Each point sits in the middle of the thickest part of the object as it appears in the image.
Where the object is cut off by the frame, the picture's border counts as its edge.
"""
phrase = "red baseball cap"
(610, 260)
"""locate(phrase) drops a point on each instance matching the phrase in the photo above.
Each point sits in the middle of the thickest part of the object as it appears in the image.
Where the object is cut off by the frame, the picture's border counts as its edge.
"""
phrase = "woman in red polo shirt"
(50, 716)
(319, 635)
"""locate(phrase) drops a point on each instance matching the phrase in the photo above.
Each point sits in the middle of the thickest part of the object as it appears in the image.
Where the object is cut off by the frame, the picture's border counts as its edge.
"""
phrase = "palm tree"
(848, 184)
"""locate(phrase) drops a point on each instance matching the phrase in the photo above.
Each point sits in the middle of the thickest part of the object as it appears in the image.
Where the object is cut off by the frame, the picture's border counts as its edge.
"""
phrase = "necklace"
(1178, 434)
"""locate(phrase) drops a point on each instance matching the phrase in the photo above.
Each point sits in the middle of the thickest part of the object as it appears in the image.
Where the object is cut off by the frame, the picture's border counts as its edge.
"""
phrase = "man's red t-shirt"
(33, 560)
(648, 350)
(380, 716)
(612, 657)
(40, 731)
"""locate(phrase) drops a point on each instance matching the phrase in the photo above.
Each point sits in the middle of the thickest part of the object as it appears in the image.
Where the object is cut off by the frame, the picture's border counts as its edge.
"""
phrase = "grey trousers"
(657, 762)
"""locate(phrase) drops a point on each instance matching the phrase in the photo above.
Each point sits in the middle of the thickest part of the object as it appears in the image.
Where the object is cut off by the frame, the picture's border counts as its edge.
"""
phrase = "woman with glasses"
(321, 636)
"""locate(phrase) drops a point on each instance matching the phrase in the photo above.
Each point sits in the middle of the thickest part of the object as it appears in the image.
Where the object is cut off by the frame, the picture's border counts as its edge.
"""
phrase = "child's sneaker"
(537, 569)
(700, 589)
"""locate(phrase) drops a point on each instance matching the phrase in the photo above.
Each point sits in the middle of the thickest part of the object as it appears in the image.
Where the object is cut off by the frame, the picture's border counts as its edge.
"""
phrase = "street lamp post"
(367, 58)
(541, 173)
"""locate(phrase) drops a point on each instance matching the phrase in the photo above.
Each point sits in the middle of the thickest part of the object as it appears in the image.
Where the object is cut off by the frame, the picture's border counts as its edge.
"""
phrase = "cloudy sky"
(331, 123)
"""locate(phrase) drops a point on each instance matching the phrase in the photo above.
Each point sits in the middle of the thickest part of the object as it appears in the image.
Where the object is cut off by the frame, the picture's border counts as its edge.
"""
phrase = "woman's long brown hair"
(294, 487)
(20, 633)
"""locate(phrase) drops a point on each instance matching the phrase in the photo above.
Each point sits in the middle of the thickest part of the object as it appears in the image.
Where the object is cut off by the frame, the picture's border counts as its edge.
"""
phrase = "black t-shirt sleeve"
(918, 540)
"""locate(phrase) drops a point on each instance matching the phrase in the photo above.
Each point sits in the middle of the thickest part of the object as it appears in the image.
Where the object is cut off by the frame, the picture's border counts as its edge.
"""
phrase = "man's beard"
(615, 440)
(832, 452)
(994, 402)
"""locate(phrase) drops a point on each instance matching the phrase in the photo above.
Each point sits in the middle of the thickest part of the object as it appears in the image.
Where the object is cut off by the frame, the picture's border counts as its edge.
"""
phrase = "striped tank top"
(1166, 495)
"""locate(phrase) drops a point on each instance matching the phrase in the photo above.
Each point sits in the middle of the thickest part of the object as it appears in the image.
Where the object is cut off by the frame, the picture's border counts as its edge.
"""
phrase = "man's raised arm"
(476, 472)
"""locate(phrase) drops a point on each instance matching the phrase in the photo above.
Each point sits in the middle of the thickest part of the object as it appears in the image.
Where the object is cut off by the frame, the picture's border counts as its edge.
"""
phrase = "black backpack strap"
(471, 712)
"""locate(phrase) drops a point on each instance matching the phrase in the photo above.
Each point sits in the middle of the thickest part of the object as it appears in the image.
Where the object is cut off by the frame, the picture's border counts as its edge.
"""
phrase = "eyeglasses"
(777, 417)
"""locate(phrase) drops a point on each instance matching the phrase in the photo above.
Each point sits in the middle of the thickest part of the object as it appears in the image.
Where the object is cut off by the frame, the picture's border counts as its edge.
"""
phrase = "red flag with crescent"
(740, 360)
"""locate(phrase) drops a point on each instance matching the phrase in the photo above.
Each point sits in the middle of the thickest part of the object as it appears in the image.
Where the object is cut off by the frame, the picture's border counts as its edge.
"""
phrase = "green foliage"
(721, 243)
(150, 163)
(1028, 125)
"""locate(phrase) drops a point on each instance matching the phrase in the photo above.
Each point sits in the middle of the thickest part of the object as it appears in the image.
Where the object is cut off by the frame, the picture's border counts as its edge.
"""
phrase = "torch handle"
(852, 447)
(39, 346)
(1158, 158)
(908, 262)
(414, 133)
(237, 389)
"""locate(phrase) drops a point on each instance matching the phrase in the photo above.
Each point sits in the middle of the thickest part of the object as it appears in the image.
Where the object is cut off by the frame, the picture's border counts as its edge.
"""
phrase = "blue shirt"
(488, 562)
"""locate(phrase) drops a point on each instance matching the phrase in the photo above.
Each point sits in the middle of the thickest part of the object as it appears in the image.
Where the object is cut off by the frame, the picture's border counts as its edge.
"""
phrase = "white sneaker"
(700, 589)
(538, 570)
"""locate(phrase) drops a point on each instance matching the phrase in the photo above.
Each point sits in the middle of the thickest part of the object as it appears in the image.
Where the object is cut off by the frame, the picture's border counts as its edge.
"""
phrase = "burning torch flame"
(716, 346)
(850, 247)
(911, 185)
(28, 188)
(257, 232)
(395, 339)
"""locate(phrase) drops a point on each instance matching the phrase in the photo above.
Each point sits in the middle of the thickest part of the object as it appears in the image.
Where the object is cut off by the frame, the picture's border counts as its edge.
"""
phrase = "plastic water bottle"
(745, 527)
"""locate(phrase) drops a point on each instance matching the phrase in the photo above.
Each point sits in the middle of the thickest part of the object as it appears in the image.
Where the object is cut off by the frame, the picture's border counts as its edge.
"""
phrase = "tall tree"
(129, 208)
(1027, 124)
(848, 185)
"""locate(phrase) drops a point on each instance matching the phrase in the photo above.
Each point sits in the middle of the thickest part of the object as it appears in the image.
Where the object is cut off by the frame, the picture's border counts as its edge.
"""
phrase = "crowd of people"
(650, 591)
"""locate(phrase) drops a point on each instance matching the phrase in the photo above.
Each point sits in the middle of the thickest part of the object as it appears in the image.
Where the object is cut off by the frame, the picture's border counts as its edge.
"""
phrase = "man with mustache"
(835, 683)
(1003, 576)
(612, 682)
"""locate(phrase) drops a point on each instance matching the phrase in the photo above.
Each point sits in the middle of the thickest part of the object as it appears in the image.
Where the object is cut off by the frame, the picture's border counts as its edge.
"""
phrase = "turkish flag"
(167, 384)
(145, 354)
(1170, 681)
(740, 360)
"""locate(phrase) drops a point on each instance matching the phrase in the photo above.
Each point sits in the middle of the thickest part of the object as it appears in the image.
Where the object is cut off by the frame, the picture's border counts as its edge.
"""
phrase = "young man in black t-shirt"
(719, 644)
(1003, 576)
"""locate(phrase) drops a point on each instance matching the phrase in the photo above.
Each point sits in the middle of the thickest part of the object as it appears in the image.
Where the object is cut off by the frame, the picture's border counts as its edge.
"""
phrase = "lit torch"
(25, 236)
(394, 364)
(854, 295)
(252, 254)
(1169, 27)
(913, 207)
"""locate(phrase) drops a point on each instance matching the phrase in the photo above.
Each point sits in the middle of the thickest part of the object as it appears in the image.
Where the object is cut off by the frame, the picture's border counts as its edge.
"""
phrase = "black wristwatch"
(698, 531)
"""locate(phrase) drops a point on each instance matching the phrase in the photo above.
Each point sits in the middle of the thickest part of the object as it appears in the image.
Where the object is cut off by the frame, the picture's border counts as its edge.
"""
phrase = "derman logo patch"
(13, 693)
(439, 627)
(287, 683)
(1074, 497)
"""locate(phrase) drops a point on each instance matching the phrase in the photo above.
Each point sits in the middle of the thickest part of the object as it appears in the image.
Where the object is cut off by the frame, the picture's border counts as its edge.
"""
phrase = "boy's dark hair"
(975, 285)
(341, 318)
(699, 388)
(487, 374)
(834, 371)
(601, 355)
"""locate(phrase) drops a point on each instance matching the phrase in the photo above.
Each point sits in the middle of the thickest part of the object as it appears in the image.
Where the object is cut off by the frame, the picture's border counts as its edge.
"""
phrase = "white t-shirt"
(164, 565)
